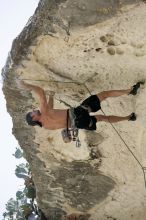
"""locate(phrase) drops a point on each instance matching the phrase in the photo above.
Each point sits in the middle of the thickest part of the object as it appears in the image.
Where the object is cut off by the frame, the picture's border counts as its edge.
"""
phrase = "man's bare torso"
(54, 119)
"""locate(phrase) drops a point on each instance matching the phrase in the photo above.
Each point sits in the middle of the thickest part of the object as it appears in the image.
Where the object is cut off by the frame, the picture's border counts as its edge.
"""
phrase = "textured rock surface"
(64, 47)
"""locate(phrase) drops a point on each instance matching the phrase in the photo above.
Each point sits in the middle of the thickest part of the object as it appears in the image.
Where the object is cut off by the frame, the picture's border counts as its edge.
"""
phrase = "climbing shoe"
(136, 87)
(132, 117)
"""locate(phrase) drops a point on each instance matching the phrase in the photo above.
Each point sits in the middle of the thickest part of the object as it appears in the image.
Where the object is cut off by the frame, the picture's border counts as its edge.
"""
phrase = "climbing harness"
(74, 129)
(72, 133)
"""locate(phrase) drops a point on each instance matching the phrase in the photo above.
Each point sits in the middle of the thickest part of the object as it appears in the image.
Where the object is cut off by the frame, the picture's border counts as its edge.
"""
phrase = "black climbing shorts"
(92, 102)
(83, 119)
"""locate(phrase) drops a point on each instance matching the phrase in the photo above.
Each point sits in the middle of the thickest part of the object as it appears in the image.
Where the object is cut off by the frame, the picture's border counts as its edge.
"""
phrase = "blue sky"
(14, 14)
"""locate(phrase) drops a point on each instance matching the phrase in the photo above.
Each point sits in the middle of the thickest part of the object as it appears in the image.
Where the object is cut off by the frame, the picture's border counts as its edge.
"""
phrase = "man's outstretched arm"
(40, 92)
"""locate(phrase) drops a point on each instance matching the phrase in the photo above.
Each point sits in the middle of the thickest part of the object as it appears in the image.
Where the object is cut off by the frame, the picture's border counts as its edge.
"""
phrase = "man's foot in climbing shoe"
(132, 117)
(136, 87)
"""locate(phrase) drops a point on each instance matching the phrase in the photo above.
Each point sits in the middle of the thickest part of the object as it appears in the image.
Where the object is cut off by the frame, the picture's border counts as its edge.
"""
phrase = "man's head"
(32, 118)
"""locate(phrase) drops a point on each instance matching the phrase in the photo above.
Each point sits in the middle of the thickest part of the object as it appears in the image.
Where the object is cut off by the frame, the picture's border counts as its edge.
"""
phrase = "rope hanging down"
(143, 168)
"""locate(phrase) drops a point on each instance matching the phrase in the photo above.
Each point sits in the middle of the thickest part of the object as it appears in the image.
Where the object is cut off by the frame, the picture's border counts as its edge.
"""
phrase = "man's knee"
(102, 95)
(99, 117)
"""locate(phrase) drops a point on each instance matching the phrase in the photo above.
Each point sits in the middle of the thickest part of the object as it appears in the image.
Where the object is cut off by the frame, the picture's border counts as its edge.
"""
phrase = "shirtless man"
(53, 119)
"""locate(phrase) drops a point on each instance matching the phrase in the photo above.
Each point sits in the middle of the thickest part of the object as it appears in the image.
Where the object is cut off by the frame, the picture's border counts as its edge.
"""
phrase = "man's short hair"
(30, 121)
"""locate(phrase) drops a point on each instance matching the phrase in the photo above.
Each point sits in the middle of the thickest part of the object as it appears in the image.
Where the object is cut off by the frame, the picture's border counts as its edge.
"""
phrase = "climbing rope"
(143, 168)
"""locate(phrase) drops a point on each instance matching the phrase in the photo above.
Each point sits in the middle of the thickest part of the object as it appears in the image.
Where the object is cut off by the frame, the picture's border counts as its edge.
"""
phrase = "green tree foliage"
(20, 175)
(24, 204)
(27, 209)
(4, 215)
(22, 170)
(20, 195)
(31, 192)
(18, 153)
(11, 209)
(19, 208)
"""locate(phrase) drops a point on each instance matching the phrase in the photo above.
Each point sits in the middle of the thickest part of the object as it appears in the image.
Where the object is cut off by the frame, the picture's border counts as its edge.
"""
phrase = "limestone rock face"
(64, 48)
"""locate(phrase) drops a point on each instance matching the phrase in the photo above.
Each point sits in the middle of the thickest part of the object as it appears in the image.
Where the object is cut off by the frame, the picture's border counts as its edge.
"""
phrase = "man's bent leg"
(112, 118)
(112, 93)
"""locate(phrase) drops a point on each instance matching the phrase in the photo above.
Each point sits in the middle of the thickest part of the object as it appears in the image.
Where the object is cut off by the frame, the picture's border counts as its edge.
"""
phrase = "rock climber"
(53, 119)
